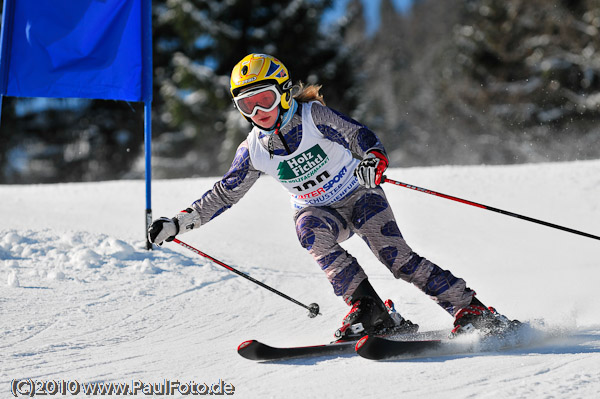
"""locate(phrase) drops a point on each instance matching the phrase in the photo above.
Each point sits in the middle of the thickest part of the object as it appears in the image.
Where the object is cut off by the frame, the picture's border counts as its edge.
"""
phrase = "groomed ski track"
(80, 299)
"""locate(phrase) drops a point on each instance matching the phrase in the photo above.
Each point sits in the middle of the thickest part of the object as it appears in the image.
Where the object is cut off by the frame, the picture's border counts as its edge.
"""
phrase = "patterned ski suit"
(330, 204)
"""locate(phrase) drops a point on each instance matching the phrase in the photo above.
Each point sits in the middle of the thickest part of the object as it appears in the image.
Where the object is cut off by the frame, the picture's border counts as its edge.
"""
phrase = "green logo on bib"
(305, 163)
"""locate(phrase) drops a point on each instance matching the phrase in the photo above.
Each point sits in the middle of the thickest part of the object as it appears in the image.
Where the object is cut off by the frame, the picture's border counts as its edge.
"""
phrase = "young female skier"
(332, 166)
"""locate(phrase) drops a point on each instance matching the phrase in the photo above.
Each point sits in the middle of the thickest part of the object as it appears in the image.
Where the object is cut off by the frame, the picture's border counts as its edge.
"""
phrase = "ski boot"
(369, 315)
(478, 317)
(401, 325)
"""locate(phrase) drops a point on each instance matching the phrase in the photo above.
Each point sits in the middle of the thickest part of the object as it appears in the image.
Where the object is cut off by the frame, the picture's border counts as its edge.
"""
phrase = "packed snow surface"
(81, 299)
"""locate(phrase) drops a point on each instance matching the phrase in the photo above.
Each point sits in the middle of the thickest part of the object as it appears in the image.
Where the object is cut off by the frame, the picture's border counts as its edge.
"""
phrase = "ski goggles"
(265, 98)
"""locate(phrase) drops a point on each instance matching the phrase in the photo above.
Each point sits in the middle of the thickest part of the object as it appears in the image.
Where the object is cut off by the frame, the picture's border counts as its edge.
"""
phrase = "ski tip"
(369, 347)
(252, 350)
(245, 344)
(361, 342)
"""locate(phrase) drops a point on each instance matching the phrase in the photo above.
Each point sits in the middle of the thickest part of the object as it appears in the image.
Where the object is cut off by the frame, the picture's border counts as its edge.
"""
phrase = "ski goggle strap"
(265, 98)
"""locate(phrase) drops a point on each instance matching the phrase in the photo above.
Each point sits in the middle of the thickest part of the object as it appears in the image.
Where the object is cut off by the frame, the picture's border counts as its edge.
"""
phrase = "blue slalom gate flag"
(75, 48)
(97, 49)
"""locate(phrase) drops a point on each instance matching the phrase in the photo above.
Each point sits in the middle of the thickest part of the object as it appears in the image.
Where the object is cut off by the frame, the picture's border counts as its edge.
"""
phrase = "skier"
(309, 149)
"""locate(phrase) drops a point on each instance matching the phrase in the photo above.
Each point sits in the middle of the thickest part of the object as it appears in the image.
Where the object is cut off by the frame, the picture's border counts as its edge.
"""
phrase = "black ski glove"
(165, 229)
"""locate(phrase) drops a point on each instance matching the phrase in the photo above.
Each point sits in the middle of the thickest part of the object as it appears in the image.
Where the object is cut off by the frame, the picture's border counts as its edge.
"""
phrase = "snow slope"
(80, 299)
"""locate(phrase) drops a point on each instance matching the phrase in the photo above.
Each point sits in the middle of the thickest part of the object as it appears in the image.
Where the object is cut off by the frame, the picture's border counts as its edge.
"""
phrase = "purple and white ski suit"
(330, 204)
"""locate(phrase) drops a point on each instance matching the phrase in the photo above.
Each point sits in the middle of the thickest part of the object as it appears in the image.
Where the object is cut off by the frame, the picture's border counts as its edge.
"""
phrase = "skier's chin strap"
(282, 120)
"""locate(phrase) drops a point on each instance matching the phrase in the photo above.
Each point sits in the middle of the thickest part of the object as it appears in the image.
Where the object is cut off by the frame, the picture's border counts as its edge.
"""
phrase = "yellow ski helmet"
(256, 68)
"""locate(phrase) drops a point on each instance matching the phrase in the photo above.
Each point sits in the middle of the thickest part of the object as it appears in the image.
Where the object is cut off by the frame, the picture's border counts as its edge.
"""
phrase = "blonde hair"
(308, 93)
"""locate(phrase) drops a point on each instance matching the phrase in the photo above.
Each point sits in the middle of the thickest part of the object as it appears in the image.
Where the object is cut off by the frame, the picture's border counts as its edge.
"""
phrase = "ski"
(259, 351)
(382, 348)
(256, 350)
(379, 348)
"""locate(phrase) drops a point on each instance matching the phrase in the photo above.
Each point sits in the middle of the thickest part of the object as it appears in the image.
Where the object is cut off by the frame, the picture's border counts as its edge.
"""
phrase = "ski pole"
(488, 208)
(313, 308)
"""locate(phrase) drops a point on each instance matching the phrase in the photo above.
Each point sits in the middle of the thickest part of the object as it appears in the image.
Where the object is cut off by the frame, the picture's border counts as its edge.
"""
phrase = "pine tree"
(197, 43)
(485, 81)
(536, 62)
(195, 128)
